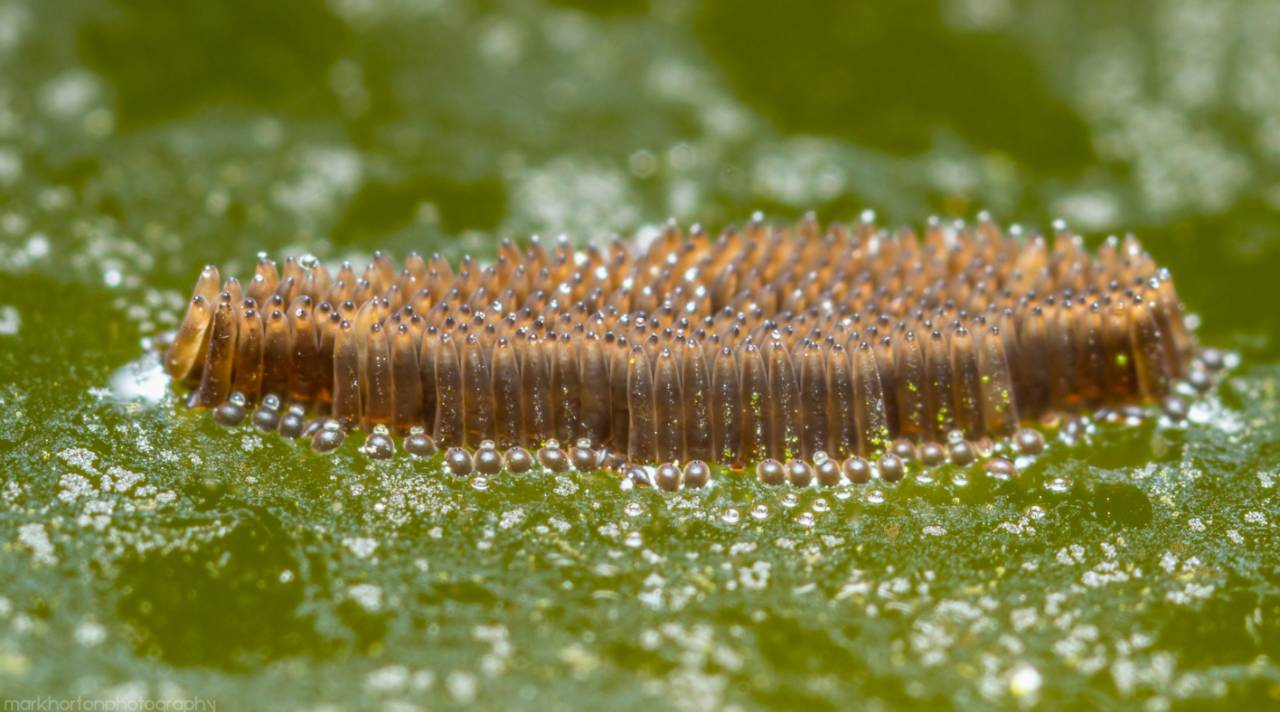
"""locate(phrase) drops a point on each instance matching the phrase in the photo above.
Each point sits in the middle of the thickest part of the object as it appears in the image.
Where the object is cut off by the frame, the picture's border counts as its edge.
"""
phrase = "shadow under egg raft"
(815, 355)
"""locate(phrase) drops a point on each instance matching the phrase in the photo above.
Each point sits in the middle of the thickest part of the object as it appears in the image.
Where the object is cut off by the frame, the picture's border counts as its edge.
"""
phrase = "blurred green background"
(148, 555)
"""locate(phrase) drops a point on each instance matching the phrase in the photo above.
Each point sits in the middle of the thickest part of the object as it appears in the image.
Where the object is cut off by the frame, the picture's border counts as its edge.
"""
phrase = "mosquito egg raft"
(801, 354)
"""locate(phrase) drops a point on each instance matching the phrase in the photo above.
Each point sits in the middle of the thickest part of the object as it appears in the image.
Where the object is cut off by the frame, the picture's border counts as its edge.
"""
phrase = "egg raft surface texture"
(818, 347)
(148, 552)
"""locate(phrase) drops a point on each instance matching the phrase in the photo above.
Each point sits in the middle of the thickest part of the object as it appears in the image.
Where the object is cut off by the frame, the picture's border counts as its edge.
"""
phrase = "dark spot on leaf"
(167, 59)
(382, 207)
(1231, 627)
(606, 8)
(1120, 503)
(468, 592)
(891, 76)
(366, 627)
(219, 596)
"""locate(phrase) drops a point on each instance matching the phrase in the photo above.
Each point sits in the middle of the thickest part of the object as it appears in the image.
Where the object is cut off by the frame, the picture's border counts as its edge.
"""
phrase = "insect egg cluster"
(809, 353)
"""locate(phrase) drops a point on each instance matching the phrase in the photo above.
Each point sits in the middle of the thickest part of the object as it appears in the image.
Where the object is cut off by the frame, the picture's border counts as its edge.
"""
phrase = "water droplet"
(633, 509)
(844, 493)
(480, 483)
(789, 500)
(960, 479)
(1058, 485)
(820, 505)
(760, 512)
(730, 516)
(805, 519)
(875, 496)
(633, 540)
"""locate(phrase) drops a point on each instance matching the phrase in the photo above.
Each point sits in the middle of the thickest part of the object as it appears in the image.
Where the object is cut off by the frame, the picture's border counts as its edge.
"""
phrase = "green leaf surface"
(147, 554)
